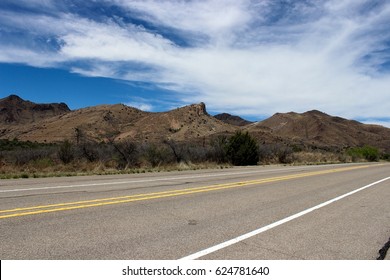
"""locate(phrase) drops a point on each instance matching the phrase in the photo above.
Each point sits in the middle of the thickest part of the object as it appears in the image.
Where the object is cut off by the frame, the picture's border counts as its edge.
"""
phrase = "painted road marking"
(40, 209)
(158, 179)
(137, 181)
(273, 225)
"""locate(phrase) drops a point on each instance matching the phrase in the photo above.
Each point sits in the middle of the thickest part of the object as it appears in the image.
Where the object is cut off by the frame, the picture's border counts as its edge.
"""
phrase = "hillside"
(15, 111)
(187, 123)
(233, 120)
(98, 123)
(46, 123)
(117, 122)
(317, 129)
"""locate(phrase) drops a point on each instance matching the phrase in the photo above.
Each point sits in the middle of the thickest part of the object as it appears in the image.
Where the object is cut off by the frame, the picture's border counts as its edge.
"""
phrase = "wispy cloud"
(142, 106)
(247, 57)
(211, 20)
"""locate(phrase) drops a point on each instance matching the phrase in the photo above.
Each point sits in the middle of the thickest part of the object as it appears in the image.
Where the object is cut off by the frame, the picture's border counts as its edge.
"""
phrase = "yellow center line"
(33, 210)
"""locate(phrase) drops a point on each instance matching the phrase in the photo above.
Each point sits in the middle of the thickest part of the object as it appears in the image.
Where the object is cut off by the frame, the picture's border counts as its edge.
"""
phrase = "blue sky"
(247, 57)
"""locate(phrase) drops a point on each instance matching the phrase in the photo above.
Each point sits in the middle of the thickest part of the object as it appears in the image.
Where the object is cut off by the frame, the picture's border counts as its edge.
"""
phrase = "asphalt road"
(238, 213)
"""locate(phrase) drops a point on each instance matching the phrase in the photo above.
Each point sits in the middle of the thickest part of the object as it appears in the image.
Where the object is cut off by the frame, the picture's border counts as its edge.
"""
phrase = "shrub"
(66, 152)
(156, 155)
(90, 151)
(366, 152)
(217, 152)
(42, 163)
(242, 149)
(276, 153)
(21, 153)
(370, 153)
(180, 151)
(198, 153)
(15, 144)
(129, 153)
(385, 156)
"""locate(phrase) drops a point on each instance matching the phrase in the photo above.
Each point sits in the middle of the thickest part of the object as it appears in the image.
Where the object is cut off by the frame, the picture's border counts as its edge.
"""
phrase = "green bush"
(242, 149)
(385, 156)
(15, 144)
(366, 152)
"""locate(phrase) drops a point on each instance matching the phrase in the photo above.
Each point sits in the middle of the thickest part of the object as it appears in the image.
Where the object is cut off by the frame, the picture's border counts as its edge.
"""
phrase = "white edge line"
(153, 180)
(273, 225)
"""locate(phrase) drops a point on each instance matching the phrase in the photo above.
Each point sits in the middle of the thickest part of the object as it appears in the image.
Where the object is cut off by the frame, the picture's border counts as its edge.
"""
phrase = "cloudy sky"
(248, 57)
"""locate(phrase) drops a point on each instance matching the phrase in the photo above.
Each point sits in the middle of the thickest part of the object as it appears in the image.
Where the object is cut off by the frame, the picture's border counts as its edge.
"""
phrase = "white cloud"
(146, 107)
(37, 4)
(143, 104)
(378, 122)
(245, 57)
(111, 43)
(215, 19)
(9, 54)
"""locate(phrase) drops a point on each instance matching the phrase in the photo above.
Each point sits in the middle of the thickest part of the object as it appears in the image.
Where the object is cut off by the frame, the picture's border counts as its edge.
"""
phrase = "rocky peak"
(14, 97)
(15, 110)
(200, 109)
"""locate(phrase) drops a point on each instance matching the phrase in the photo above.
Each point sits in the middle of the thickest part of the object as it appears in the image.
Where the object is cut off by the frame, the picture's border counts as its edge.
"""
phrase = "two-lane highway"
(298, 212)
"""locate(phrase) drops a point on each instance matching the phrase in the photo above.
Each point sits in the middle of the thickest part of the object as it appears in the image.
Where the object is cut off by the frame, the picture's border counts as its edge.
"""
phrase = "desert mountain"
(119, 122)
(15, 110)
(98, 123)
(233, 120)
(317, 129)
(187, 123)
(26, 120)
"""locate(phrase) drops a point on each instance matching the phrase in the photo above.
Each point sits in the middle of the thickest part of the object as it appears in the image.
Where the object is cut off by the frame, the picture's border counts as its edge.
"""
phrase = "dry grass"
(83, 168)
(320, 158)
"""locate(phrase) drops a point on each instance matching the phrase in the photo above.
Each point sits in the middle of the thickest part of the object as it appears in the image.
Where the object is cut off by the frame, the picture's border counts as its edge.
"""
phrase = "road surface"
(273, 212)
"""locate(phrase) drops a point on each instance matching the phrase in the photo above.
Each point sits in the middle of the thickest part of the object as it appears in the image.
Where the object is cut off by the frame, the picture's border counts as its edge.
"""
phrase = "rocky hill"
(26, 120)
(118, 122)
(98, 123)
(317, 129)
(189, 123)
(233, 120)
(15, 110)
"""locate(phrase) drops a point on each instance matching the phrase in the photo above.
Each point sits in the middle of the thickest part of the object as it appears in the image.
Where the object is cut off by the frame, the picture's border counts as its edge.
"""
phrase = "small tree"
(242, 149)
(129, 153)
(370, 153)
(218, 149)
(367, 152)
(66, 152)
(157, 155)
(178, 150)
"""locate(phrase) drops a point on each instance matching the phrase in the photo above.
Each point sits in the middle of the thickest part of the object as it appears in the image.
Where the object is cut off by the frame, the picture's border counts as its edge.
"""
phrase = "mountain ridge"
(14, 109)
(319, 129)
(231, 119)
(118, 122)
(55, 122)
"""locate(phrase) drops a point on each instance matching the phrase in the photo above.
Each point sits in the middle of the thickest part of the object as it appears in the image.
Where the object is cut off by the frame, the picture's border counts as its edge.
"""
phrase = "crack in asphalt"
(383, 251)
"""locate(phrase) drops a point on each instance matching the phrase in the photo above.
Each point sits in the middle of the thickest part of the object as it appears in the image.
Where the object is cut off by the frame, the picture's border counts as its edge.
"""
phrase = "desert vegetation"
(242, 149)
(31, 159)
(366, 152)
(52, 140)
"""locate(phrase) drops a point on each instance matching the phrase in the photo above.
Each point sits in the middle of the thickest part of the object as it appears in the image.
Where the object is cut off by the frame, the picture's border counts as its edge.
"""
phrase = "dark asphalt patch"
(383, 251)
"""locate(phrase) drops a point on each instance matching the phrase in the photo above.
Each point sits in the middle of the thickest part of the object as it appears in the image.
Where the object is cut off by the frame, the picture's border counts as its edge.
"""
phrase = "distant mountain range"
(55, 122)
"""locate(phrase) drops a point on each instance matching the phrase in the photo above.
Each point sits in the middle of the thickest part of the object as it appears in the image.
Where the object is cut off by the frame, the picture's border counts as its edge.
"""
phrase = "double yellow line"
(40, 209)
